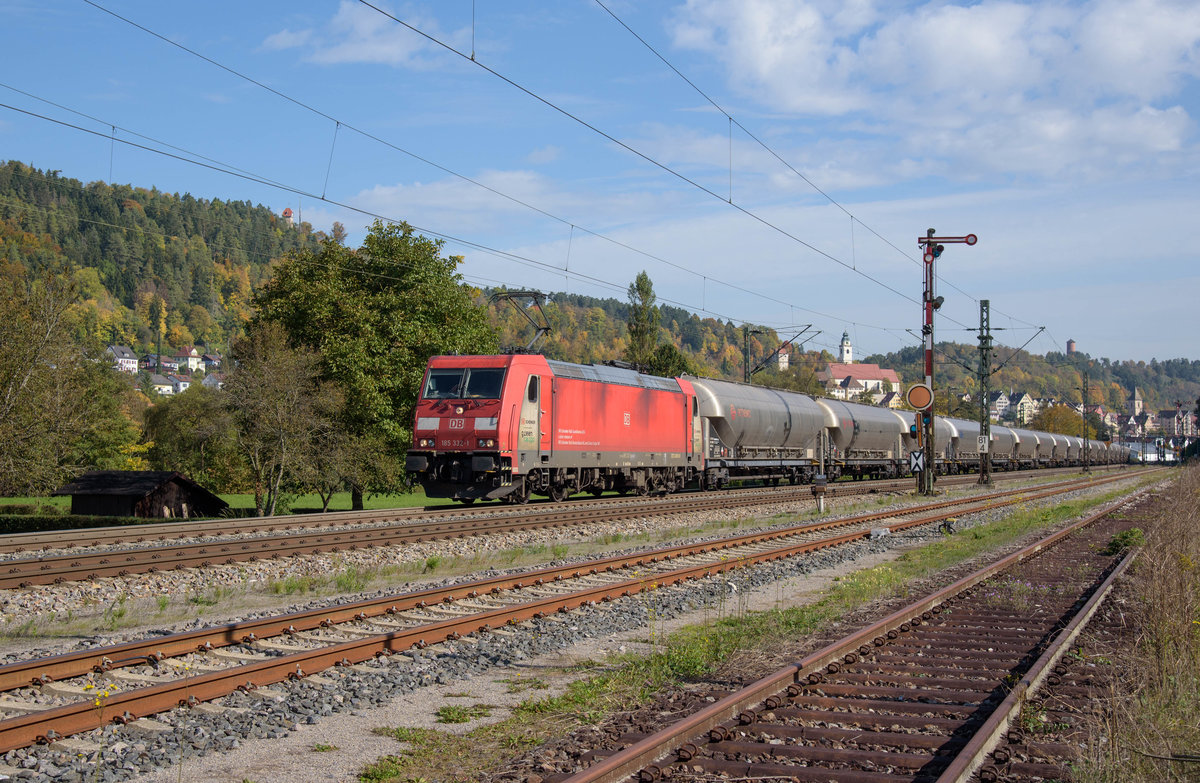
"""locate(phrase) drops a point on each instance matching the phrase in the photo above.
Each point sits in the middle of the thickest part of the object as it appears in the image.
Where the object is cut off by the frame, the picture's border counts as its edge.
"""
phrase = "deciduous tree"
(374, 316)
(280, 406)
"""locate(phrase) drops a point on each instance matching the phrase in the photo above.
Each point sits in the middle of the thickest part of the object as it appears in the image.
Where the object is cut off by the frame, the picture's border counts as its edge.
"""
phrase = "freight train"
(510, 426)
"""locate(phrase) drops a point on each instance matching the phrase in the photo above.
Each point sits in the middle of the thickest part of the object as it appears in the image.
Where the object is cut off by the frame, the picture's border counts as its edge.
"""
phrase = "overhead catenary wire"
(342, 124)
(638, 153)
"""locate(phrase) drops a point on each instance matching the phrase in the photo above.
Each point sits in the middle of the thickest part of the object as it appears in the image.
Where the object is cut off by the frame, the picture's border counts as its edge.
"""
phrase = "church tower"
(845, 352)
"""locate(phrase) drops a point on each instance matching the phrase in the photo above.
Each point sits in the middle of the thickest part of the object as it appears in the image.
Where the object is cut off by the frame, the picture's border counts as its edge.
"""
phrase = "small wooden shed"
(140, 493)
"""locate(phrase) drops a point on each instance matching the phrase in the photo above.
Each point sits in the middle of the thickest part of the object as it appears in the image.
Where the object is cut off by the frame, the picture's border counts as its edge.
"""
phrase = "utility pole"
(933, 246)
(746, 332)
(985, 389)
(1086, 445)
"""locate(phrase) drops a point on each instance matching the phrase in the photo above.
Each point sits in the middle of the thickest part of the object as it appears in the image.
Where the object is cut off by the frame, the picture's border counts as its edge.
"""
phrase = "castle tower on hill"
(845, 351)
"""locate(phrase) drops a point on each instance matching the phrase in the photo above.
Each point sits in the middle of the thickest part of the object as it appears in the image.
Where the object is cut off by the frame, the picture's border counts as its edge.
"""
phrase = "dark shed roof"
(138, 484)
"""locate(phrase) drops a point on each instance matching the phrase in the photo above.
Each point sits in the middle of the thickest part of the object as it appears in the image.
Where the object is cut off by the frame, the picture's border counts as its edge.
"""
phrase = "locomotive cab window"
(474, 383)
(532, 392)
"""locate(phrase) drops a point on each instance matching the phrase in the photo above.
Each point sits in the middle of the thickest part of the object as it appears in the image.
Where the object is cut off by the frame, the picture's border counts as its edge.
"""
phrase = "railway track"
(391, 528)
(924, 695)
(50, 698)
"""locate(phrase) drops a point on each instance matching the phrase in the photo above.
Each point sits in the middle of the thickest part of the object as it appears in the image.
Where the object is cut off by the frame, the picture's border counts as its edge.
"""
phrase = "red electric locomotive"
(506, 427)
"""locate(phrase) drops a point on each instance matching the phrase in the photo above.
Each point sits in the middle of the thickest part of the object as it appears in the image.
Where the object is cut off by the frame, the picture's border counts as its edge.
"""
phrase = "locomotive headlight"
(458, 410)
(487, 443)
(425, 443)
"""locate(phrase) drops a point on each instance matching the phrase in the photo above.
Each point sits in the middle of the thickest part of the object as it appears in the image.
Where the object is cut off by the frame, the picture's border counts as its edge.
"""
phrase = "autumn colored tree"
(1062, 419)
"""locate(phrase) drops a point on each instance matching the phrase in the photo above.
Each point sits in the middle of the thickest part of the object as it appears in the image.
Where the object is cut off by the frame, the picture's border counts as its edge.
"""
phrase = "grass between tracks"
(625, 682)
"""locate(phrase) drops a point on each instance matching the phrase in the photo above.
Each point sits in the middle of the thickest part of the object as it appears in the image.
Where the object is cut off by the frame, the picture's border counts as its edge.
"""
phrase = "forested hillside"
(1056, 374)
(83, 266)
(134, 251)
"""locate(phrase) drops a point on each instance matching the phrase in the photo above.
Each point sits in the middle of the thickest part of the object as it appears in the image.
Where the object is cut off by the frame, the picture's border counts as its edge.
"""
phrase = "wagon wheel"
(466, 501)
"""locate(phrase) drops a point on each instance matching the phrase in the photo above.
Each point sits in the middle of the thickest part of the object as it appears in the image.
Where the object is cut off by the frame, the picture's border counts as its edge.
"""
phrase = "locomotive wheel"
(558, 493)
(518, 496)
(466, 501)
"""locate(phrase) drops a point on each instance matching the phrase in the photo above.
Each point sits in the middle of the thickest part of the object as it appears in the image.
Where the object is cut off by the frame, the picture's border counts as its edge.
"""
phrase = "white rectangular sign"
(983, 444)
(916, 461)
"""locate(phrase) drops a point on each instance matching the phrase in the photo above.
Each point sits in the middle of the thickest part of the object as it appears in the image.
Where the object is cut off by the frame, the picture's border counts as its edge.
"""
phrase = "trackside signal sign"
(919, 396)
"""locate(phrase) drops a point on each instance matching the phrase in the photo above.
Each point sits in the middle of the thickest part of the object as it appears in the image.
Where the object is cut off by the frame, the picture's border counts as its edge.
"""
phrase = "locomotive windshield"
(472, 383)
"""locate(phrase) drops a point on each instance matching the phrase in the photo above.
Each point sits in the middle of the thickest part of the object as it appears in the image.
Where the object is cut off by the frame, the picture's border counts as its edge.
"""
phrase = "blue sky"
(785, 185)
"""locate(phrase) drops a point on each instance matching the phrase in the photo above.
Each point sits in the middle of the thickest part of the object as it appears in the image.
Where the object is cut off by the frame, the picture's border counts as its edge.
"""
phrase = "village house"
(1022, 407)
(189, 358)
(179, 383)
(1174, 422)
(997, 405)
(161, 384)
(214, 380)
(124, 359)
(211, 361)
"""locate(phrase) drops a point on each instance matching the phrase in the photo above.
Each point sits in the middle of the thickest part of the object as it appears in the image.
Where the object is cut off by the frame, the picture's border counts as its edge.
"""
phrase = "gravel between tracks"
(400, 692)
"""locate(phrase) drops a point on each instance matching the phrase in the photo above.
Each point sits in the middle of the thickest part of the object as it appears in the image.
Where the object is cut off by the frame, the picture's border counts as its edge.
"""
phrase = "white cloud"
(967, 90)
(547, 154)
(359, 34)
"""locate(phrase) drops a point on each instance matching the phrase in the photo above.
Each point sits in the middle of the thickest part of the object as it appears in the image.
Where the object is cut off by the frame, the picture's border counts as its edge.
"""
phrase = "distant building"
(848, 381)
(1135, 405)
(783, 359)
(140, 493)
(997, 405)
(287, 217)
(124, 359)
(1024, 407)
(188, 358)
(845, 350)
(161, 384)
(214, 380)
(1070, 347)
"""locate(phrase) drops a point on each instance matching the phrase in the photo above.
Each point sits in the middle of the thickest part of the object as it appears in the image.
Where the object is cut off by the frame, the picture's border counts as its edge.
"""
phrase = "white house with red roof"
(847, 381)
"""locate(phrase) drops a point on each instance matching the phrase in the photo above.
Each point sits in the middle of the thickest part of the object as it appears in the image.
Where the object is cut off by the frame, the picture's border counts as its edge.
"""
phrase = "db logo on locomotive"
(457, 424)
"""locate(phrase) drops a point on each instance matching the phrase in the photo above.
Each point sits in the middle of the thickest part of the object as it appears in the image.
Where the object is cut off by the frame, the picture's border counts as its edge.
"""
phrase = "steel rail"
(973, 755)
(81, 537)
(57, 569)
(641, 757)
(78, 663)
(75, 538)
(84, 715)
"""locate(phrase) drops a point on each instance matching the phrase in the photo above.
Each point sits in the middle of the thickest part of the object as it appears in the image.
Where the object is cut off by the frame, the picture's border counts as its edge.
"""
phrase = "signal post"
(933, 245)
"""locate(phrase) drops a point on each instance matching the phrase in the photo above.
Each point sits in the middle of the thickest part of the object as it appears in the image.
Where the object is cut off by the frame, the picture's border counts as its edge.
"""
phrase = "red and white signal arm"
(919, 396)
